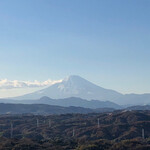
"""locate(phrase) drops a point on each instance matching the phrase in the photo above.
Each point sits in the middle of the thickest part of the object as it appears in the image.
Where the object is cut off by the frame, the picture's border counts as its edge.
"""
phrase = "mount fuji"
(74, 86)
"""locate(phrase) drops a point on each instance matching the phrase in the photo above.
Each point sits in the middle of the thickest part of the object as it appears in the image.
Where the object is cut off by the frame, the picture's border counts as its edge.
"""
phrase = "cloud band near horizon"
(8, 84)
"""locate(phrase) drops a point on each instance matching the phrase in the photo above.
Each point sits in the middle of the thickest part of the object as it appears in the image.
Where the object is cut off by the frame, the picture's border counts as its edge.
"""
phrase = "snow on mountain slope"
(74, 86)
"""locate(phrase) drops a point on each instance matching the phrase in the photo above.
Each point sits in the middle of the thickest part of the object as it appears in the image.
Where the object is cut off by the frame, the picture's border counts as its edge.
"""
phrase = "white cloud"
(7, 84)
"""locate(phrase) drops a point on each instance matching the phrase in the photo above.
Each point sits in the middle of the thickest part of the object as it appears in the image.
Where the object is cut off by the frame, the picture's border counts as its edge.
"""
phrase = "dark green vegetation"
(116, 131)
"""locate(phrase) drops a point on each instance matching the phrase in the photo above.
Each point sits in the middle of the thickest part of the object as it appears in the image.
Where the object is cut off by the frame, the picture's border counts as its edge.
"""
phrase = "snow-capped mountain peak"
(74, 86)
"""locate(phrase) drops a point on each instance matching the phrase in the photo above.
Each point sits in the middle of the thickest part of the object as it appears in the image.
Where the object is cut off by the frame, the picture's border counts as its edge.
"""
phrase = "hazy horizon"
(10, 89)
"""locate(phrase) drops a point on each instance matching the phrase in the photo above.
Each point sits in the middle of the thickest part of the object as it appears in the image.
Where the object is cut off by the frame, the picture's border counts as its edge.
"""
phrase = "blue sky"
(106, 42)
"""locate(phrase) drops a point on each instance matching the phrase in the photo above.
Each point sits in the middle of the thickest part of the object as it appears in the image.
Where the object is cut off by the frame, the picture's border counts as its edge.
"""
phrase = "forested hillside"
(117, 130)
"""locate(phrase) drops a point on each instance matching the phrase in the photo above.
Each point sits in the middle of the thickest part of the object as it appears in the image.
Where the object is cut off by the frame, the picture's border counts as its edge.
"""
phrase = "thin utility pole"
(49, 123)
(44, 121)
(98, 122)
(11, 130)
(73, 133)
(37, 122)
(143, 136)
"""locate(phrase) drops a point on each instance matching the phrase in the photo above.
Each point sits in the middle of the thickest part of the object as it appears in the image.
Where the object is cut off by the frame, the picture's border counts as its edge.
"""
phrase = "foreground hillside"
(117, 130)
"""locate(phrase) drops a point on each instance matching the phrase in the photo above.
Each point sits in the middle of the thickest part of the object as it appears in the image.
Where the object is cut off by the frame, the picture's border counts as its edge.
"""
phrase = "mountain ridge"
(66, 102)
(76, 86)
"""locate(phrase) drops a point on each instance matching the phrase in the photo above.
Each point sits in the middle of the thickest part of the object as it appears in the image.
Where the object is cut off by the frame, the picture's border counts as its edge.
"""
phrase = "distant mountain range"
(138, 107)
(43, 109)
(75, 86)
(66, 102)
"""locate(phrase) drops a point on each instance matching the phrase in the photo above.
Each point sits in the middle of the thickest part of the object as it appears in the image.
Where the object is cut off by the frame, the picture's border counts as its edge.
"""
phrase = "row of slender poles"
(73, 132)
